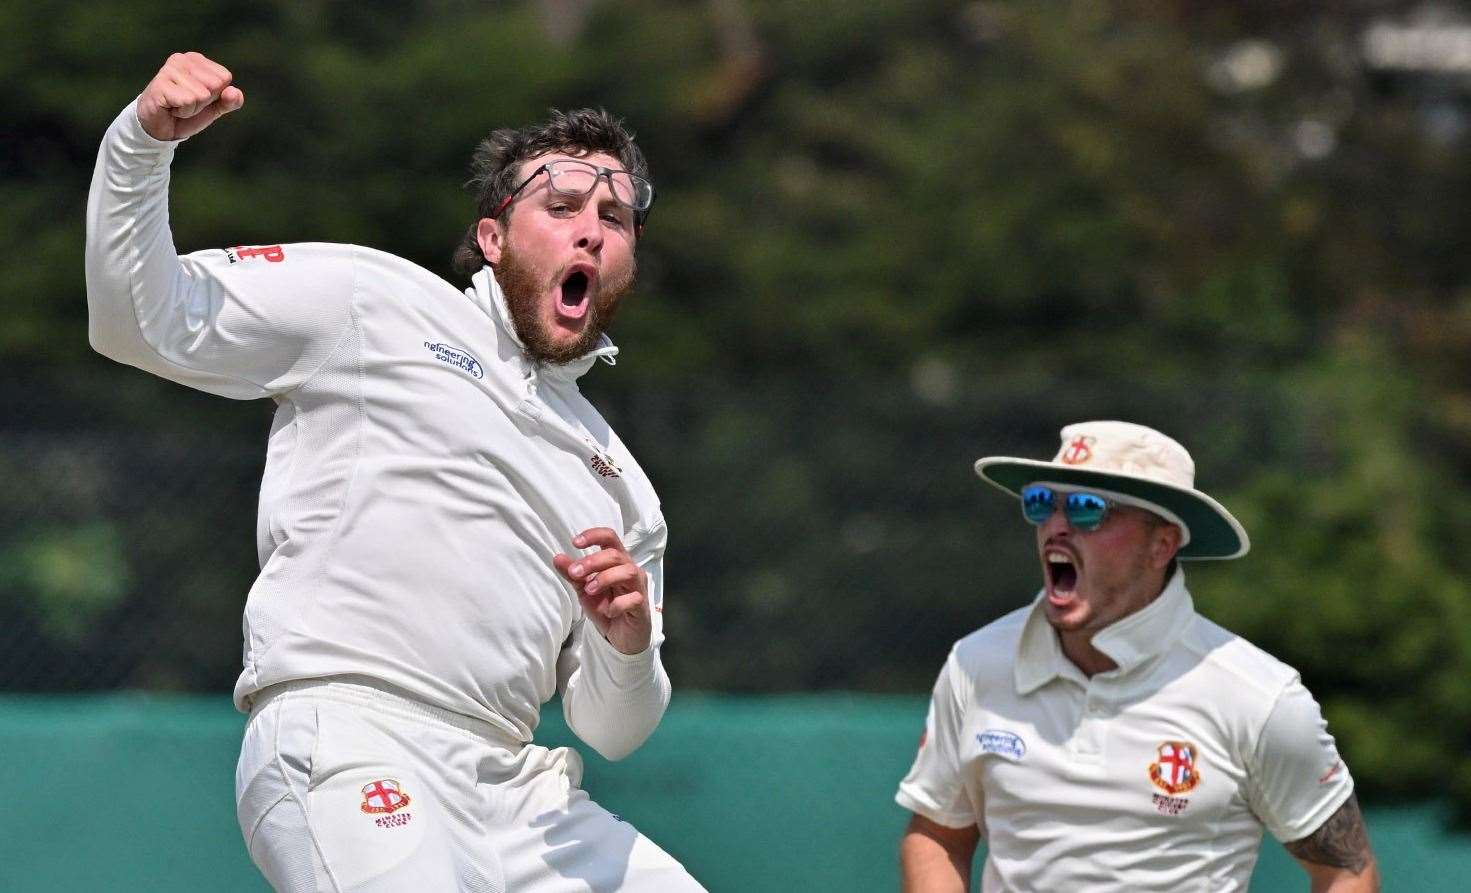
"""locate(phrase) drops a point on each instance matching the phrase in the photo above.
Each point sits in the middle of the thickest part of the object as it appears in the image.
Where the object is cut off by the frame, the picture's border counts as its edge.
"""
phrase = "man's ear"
(488, 233)
(1166, 543)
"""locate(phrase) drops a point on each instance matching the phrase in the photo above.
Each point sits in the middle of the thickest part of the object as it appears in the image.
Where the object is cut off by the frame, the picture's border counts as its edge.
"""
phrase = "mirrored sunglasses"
(1084, 510)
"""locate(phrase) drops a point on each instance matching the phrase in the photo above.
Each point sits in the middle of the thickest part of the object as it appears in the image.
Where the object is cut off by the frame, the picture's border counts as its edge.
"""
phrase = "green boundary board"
(134, 792)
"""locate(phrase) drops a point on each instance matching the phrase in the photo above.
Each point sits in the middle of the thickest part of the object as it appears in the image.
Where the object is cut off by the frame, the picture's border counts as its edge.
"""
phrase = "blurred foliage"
(892, 236)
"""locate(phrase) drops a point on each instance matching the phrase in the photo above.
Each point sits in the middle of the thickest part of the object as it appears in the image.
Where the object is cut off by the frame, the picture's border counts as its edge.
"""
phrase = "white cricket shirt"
(421, 471)
(1159, 775)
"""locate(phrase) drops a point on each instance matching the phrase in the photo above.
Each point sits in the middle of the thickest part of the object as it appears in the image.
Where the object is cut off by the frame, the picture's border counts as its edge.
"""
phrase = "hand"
(186, 96)
(613, 589)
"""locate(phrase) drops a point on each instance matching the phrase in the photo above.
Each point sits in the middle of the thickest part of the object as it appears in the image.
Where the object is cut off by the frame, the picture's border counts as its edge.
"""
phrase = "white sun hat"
(1136, 466)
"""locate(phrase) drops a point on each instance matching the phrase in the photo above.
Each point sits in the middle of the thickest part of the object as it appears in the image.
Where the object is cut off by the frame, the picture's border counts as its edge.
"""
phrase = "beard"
(524, 285)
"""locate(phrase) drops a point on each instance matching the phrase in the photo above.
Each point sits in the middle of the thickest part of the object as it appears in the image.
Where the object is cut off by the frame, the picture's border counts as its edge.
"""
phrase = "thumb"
(231, 99)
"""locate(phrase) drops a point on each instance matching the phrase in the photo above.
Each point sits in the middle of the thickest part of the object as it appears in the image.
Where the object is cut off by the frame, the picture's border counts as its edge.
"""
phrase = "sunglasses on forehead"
(579, 178)
(1085, 511)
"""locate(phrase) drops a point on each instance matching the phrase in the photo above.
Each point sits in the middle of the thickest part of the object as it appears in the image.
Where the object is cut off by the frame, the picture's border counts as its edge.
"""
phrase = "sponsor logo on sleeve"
(272, 253)
(457, 358)
(1002, 743)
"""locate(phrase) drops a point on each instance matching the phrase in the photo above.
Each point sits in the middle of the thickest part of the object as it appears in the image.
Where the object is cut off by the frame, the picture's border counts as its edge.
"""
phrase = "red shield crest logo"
(1175, 772)
(1079, 451)
(384, 795)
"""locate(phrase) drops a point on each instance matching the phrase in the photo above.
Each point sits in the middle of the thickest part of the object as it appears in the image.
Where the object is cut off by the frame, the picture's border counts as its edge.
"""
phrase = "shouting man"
(1106, 737)
(449, 534)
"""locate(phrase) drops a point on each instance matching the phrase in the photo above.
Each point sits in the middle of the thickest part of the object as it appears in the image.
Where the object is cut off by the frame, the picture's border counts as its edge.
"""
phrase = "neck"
(1078, 648)
(1077, 645)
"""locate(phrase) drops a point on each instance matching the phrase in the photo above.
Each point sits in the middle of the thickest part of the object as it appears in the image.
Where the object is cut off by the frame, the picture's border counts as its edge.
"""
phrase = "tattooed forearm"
(1341, 842)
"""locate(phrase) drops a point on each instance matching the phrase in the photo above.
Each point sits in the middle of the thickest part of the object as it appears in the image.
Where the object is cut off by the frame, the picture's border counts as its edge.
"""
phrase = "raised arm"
(1337, 856)
(241, 322)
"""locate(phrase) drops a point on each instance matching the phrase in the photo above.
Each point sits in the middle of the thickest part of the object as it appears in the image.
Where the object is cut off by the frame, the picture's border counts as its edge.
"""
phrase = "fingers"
(605, 537)
(602, 572)
(188, 94)
(617, 579)
(610, 553)
(597, 561)
(628, 606)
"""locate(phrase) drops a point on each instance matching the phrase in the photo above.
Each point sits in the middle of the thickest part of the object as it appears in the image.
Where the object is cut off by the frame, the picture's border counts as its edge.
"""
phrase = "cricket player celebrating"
(1106, 737)
(449, 534)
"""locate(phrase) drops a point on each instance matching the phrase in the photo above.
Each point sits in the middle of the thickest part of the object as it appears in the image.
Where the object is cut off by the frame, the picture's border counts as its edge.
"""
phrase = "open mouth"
(573, 295)
(1062, 573)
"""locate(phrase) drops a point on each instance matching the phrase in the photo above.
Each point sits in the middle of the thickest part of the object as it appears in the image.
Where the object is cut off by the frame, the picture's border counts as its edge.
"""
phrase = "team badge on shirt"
(1175, 770)
(384, 795)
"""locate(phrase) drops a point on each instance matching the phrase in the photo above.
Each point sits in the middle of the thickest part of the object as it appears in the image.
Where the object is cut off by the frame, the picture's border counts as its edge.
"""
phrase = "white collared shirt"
(1159, 775)
(420, 474)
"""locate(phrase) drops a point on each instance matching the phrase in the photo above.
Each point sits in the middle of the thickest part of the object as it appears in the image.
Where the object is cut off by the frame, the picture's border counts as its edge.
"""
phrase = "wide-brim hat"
(1137, 466)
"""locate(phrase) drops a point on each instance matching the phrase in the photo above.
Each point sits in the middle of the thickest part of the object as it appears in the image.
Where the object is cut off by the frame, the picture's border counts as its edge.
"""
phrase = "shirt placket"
(1087, 746)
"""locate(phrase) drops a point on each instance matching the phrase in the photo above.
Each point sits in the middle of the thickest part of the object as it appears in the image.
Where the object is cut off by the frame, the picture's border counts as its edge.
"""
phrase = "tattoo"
(1340, 842)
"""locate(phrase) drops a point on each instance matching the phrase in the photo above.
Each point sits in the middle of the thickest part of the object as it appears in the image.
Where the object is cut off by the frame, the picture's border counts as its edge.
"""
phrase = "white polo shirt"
(1159, 775)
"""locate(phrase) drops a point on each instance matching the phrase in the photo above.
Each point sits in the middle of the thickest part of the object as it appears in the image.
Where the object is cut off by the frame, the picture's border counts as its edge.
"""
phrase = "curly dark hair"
(498, 159)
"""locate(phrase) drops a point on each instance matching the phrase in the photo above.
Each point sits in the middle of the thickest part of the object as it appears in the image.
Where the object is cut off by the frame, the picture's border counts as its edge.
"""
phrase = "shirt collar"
(1128, 642)
(486, 292)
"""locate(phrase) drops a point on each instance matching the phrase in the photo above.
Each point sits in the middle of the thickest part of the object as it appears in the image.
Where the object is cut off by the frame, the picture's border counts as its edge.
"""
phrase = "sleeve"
(935, 787)
(613, 701)
(239, 322)
(1295, 779)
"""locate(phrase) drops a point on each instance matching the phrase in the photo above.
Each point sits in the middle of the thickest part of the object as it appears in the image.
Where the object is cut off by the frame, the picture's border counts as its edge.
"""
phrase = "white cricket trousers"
(346, 786)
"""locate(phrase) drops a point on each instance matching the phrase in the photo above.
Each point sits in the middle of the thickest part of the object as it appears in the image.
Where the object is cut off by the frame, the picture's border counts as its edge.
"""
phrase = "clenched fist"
(186, 96)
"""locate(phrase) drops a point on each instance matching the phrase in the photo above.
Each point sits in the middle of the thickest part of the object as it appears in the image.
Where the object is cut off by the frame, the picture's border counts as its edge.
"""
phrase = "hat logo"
(1079, 450)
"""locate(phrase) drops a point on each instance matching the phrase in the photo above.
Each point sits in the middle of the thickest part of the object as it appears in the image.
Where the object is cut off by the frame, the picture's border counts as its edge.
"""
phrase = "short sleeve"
(935, 787)
(1296, 780)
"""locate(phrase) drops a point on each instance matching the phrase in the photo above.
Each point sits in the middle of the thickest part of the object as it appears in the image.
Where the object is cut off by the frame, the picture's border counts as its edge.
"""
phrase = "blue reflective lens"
(1038, 503)
(1085, 511)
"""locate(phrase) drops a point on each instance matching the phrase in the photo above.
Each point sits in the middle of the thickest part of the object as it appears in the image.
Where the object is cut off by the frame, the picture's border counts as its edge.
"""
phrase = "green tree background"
(892, 236)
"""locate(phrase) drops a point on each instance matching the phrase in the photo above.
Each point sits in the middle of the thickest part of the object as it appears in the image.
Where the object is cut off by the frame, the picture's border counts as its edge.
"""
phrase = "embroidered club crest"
(384, 795)
(1079, 451)
(1175, 771)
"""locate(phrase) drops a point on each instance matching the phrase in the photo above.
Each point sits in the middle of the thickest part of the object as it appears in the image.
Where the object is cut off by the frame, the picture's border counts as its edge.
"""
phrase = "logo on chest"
(457, 358)
(1002, 743)
(604, 467)
(1176, 769)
